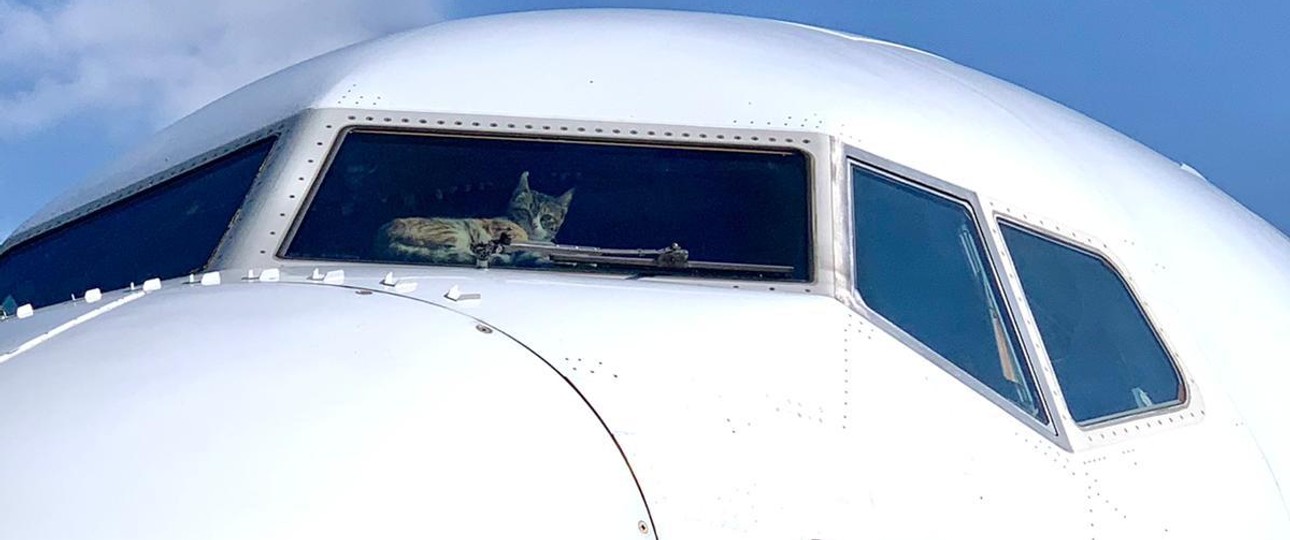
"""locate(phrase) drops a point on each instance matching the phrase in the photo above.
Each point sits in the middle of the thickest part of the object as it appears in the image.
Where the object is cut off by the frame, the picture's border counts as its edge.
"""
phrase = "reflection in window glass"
(1106, 357)
(560, 205)
(166, 231)
(920, 263)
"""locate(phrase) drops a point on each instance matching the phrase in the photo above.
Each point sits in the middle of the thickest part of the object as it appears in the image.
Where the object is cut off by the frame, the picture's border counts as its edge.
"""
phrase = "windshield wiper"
(668, 259)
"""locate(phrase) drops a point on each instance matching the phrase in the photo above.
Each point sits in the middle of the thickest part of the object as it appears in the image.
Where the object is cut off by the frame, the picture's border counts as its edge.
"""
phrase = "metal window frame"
(848, 157)
(326, 128)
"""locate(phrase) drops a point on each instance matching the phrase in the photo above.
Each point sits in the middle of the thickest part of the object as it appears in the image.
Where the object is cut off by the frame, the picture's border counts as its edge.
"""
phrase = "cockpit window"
(921, 264)
(561, 205)
(1106, 357)
(166, 231)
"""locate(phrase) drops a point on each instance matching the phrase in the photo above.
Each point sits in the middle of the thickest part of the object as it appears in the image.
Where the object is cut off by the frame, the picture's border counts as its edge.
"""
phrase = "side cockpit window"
(166, 231)
(560, 205)
(1108, 360)
(921, 264)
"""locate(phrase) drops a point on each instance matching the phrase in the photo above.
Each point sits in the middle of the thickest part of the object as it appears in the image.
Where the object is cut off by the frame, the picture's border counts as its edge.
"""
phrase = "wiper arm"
(670, 258)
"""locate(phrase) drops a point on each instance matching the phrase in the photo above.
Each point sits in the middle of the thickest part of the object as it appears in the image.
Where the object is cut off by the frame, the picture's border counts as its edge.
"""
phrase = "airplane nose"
(300, 411)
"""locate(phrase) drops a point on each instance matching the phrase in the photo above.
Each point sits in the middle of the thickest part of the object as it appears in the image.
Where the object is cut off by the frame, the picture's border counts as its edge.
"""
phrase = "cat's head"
(540, 214)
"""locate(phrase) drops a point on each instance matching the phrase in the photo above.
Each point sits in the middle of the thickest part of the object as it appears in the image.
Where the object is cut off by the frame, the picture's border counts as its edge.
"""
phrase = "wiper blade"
(670, 258)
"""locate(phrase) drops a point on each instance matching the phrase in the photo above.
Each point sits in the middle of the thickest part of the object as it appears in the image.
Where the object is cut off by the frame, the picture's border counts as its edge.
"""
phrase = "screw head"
(483, 329)
(642, 527)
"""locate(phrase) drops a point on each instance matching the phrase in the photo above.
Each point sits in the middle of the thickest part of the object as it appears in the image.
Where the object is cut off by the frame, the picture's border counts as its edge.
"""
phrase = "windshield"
(166, 231)
(561, 205)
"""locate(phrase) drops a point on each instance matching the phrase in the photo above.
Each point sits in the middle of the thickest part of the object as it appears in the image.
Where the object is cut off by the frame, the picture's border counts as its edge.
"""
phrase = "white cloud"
(164, 57)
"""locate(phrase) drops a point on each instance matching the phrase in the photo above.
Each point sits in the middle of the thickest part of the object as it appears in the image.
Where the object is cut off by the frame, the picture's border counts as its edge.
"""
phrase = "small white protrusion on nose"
(210, 278)
(456, 295)
(334, 277)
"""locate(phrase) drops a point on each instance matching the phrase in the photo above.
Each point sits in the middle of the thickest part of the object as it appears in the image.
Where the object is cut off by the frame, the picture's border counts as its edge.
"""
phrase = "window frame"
(850, 157)
(817, 266)
(1087, 245)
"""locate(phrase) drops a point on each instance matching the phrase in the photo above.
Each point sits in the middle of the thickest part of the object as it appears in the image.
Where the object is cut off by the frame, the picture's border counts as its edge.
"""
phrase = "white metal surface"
(262, 407)
(254, 411)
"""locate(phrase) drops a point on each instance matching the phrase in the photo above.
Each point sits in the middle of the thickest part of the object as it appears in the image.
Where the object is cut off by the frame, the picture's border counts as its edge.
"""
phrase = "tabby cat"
(530, 217)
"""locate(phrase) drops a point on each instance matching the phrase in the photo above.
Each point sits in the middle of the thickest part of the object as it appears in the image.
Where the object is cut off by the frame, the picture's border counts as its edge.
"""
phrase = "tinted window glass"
(476, 201)
(167, 231)
(921, 264)
(1107, 359)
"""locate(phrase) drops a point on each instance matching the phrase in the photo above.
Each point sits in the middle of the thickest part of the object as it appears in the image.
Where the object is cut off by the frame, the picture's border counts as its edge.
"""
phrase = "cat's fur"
(531, 217)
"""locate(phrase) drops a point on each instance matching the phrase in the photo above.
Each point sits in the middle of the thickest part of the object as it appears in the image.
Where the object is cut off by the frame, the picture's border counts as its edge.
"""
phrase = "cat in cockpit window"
(530, 217)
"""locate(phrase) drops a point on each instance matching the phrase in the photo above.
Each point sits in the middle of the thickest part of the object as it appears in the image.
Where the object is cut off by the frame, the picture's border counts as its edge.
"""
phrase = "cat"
(531, 217)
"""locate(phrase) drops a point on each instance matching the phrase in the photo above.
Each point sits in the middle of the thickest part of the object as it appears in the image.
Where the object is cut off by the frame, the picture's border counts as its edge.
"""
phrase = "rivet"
(483, 329)
(642, 527)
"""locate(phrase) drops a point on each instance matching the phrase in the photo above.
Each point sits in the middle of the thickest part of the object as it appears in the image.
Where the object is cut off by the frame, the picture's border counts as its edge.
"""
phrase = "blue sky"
(1205, 83)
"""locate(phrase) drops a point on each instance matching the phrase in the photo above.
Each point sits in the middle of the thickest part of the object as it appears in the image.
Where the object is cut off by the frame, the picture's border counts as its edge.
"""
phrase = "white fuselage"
(282, 397)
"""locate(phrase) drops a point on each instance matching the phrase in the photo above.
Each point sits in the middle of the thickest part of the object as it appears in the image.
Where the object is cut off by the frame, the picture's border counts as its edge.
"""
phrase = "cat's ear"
(523, 187)
(565, 199)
